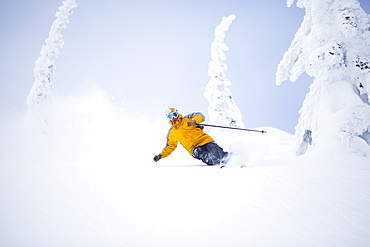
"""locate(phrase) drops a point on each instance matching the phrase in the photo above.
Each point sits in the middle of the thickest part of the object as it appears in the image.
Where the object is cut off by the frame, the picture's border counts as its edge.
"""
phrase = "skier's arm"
(195, 118)
(198, 118)
(170, 146)
(166, 151)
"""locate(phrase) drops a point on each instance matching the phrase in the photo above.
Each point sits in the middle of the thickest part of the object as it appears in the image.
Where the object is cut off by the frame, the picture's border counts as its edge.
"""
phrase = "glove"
(157, 157)
(192, 123)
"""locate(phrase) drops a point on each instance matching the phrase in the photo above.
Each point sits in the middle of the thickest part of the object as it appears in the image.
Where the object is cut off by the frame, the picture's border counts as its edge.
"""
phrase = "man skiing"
(185, 129)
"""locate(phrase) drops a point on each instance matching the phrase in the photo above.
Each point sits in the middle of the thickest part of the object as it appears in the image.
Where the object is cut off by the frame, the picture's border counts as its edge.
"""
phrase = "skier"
(185, 129)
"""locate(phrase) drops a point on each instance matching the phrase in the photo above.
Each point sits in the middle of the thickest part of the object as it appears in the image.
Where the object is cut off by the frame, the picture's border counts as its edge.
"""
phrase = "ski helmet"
(172, 112)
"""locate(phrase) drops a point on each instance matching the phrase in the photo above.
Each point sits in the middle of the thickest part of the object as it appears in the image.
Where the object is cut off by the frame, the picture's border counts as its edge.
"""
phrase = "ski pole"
(233, 128)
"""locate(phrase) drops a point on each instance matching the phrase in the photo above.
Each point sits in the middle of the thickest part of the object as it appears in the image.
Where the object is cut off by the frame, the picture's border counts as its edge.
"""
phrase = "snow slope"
(92, 182)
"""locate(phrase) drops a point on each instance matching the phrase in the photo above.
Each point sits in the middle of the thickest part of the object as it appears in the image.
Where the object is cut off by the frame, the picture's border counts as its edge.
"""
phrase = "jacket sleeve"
(197, 116)
(170, 146)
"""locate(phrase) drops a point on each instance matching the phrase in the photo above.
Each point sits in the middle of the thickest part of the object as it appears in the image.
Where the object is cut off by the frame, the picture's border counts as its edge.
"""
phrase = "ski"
(224, 166)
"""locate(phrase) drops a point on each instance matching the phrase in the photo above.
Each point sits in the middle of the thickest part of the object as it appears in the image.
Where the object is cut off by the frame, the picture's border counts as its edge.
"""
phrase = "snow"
(92, 182)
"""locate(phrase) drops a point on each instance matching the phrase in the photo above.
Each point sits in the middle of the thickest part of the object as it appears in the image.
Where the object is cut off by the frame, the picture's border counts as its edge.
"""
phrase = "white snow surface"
(91, 181)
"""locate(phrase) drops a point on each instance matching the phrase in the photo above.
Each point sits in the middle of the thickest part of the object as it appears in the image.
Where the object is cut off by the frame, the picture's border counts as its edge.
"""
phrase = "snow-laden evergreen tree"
(44, 83)
(222, 109)
(332, 46)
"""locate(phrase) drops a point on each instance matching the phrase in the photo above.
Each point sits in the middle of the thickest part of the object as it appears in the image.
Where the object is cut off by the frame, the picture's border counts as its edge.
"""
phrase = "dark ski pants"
(210, 153)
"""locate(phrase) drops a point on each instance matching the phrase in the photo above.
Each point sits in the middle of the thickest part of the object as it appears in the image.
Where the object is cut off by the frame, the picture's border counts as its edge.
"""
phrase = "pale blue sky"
(154, 53)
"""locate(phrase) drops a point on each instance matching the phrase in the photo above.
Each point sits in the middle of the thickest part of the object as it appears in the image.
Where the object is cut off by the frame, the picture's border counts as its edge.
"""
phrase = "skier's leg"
(217, 152)
(202, 153)
(210, 153)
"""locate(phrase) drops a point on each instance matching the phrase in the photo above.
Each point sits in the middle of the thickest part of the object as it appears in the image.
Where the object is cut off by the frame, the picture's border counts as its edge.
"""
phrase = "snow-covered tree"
(222, 109)
(44, 83)
(333, 46)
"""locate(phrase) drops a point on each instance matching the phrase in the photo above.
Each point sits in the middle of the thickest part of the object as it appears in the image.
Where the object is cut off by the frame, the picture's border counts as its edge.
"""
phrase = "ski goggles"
(173, 115)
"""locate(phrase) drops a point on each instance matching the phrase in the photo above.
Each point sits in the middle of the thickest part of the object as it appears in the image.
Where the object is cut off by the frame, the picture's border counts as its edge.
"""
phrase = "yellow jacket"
(188, 136)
